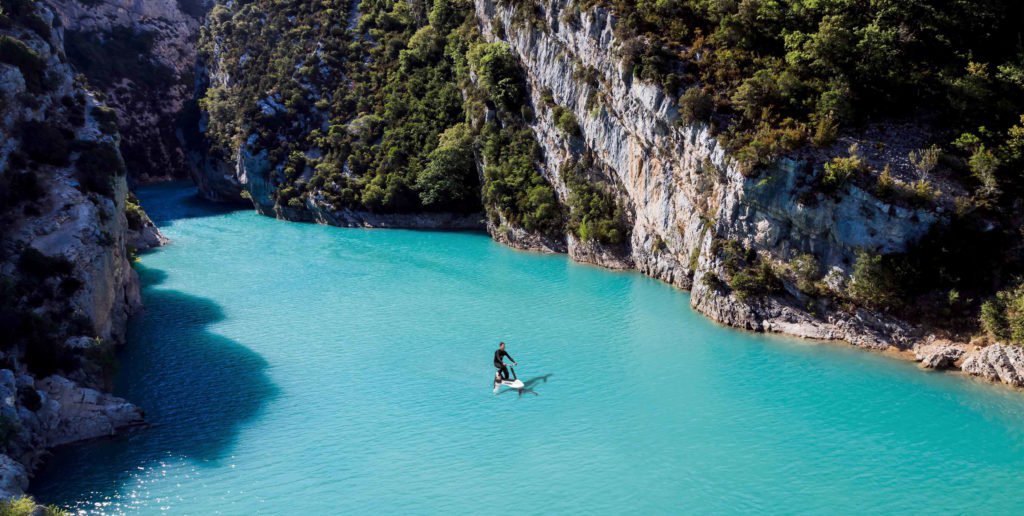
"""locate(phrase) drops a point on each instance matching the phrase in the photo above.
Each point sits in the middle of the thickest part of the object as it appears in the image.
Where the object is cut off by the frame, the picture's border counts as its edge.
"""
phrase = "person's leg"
(504, 372)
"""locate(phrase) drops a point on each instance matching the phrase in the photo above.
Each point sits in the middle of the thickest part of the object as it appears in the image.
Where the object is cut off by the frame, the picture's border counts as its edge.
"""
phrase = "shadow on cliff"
(198, 389)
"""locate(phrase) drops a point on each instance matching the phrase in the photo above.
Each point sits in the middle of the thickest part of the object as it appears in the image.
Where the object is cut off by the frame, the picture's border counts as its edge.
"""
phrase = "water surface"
(291, 368)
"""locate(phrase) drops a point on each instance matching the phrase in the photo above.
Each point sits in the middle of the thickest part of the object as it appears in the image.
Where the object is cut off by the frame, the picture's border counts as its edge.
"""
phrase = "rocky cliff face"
(765, 250)
(66, 282)
(684, 197)
(682, 189)
(142, 56)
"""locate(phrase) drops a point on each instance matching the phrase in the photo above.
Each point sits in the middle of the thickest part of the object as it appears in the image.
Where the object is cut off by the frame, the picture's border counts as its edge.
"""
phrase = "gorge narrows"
(599, 183)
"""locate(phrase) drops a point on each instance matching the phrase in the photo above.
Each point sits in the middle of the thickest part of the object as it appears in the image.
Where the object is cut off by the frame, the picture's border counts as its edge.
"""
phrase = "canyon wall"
(141, 54)
(683, 190)
(67, 233)
(765, 249)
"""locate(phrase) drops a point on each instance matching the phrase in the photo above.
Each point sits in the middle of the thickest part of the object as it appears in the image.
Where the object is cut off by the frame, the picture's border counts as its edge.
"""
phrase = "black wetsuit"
(500, 364)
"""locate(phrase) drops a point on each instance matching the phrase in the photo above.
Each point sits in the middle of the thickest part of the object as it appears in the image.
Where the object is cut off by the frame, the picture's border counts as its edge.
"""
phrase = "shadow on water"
(528, 385)
(166, 203)
(198, 388)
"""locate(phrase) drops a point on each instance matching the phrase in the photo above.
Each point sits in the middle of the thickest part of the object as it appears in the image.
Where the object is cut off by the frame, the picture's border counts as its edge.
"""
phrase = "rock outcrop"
(683, 190)
(939, 355)
(695, 216)
(997, 363)
(67, 286)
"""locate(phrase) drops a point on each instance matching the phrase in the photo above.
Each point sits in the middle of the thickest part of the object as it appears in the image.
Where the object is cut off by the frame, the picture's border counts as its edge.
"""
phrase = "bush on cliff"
(696, 105)
(880, 282)
(565, 121)
(1003, 316)
(747, 274)
(594, 210)
(841, 170)
(755, 281)
(499, 73)
(45, 142)
(33, 67)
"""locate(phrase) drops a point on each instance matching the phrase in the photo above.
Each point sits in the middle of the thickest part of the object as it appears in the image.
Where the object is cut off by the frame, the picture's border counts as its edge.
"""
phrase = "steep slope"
(685, 194)
(67, 232)
(142, 57)
(593, 134)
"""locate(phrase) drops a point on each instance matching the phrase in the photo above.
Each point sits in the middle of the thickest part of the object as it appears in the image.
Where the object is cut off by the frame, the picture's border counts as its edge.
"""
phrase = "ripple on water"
(293, 368)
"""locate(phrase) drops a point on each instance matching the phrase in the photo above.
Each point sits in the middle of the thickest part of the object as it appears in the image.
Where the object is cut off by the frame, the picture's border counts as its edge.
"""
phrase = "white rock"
(998, 362)
(13, 478)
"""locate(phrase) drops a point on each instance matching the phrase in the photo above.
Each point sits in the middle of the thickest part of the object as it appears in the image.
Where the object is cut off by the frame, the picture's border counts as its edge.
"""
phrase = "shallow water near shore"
(293, 368)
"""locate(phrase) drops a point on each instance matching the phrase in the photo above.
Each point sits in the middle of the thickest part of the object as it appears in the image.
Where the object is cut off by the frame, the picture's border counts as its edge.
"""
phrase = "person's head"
(501, 345)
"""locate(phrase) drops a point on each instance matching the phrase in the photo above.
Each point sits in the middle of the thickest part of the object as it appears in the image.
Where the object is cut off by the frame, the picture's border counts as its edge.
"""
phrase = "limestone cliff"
(142, 56)
(67, 286)
(765, 249)
(684, 191)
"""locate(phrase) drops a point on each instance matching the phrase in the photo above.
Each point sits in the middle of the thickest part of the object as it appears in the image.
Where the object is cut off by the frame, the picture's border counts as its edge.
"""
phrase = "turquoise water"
(301, 369)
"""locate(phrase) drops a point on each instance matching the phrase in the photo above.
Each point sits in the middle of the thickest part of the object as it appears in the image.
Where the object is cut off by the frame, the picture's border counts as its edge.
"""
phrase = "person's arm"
(510, 358)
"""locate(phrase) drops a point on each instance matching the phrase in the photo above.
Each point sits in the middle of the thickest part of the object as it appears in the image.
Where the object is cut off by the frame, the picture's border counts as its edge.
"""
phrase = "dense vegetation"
(594, 212)
(747, 275)
(375, 110)
(778, 77)
(773, 75)
(381, 115)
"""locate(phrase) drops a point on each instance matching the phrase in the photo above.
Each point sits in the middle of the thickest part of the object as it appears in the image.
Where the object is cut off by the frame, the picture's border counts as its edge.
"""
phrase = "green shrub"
(97, 165)
(696, 105)
(33, 67)
(840, 170)
(499, 73)
(747, 274)
(447, 180)
(758, 280)
(513, 187)
(1003, 315)
(807, 272)
(565, 121)
(26, 506)
(45, 143)
(826, 130)
(880, 282)
(134, 213)
(594, 210)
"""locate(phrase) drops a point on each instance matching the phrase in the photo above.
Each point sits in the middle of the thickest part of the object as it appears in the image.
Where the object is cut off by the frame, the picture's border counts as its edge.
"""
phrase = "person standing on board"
(499, 360)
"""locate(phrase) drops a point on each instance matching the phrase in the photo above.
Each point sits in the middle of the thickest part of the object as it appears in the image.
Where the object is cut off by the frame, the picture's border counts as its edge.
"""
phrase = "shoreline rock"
(997, 363)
